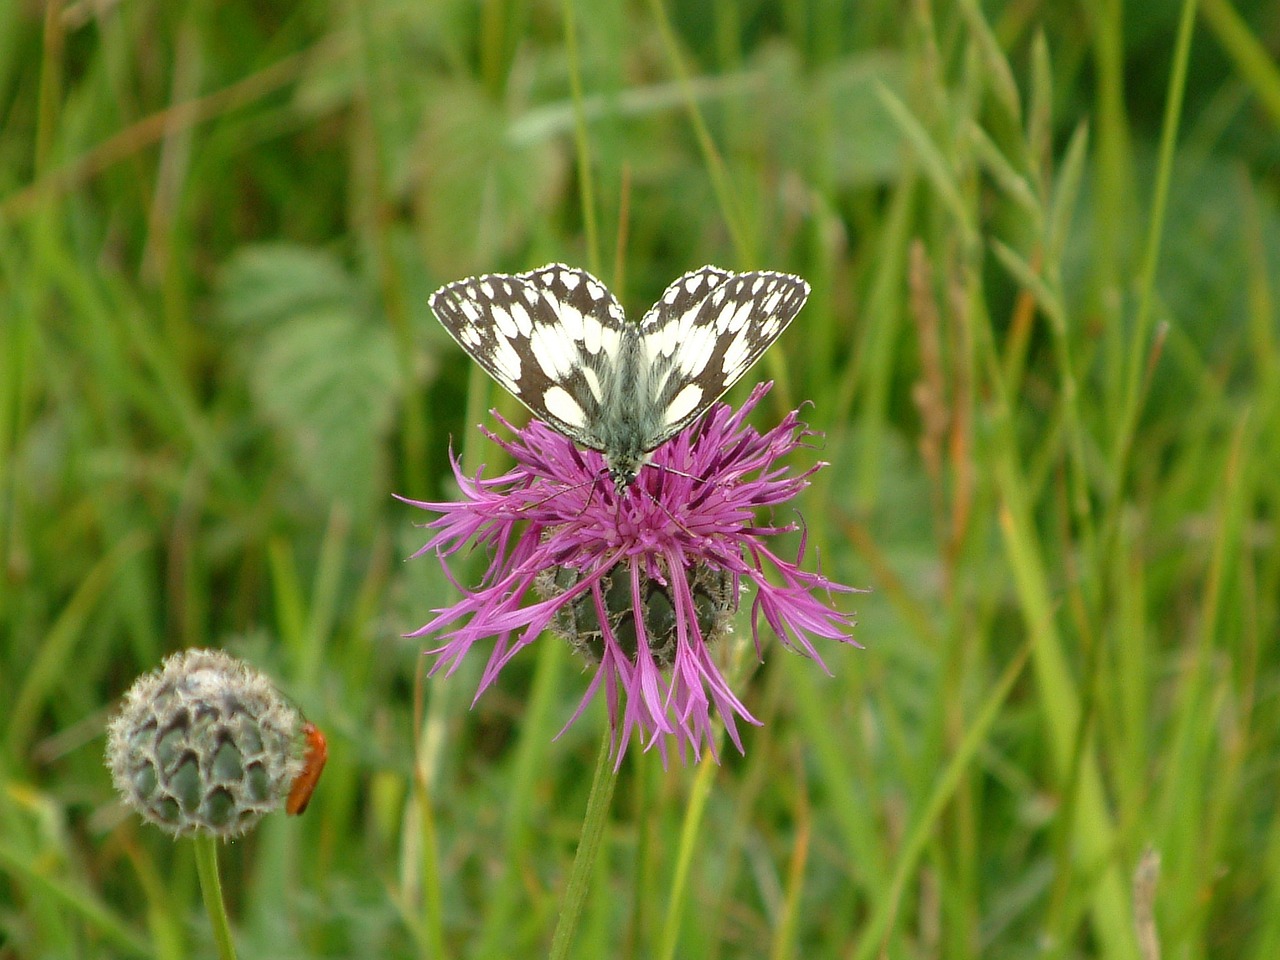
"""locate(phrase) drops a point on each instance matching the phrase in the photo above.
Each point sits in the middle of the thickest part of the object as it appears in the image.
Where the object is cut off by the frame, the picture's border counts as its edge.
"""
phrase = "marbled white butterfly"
(560, 342)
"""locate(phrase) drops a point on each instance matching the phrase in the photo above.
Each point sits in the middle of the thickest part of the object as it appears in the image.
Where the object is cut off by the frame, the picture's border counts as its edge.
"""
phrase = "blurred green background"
(1044, 246)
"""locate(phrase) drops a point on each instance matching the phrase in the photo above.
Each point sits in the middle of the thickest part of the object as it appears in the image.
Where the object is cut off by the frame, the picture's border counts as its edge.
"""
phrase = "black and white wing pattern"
(550, 336)
(559, 341)
(707, 330)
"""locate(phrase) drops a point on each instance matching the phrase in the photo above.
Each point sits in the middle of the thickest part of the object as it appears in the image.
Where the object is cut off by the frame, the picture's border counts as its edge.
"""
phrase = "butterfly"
(559, 341)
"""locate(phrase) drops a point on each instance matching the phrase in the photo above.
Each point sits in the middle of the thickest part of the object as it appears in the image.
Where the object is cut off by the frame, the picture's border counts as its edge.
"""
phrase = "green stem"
(602, 784)
(729, 209)
(677, 901)
(1252, 61)
(73, 901)
(1139, 346)
(585, 182)
(211, 889)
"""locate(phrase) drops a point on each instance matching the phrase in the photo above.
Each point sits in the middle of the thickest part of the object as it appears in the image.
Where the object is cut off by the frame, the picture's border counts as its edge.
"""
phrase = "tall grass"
(1042, 347)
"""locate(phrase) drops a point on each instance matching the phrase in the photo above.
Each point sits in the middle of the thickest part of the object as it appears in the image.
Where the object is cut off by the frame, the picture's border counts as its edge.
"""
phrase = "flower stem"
(697, 805)
(602, 784)
(211, 889)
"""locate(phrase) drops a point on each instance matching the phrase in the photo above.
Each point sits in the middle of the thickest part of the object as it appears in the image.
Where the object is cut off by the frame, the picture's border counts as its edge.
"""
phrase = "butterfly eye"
(305, 783)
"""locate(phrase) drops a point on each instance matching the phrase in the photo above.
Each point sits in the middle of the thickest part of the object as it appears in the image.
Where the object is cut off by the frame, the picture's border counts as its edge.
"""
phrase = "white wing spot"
(471, 291)
(469, 310)
(695, 350)
(671, 296)
(662, 343)
(597, 292)
(570, 280)
(722, 321)
(573, 321)
(755, 287)
(469, 336)
(502, 320)
(609, 340)
(683, 403)
(487, 289)
(507, 361)
(548, 277)
(770, 328)
(524, 323)
(551, 351)
(593, 382)
(739, 318)
(592, 331)
(693, 283)
(561, 405)
(771, 301)
(735, 356)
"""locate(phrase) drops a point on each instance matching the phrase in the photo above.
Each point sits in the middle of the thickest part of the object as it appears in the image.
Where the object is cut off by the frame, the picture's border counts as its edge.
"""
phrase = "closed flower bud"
(205, 744)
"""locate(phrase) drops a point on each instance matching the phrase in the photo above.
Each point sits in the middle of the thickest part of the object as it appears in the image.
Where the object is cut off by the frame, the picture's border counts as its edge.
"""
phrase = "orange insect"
(305, 783)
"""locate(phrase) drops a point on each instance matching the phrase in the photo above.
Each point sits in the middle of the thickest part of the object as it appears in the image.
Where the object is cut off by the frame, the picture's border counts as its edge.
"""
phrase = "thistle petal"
(693, 508)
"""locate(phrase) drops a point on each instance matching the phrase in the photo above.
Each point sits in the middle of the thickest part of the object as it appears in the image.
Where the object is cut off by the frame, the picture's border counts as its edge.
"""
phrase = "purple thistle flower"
(643, 581)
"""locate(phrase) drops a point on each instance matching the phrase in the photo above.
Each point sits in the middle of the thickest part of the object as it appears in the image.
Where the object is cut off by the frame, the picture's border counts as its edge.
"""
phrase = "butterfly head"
(623, 471)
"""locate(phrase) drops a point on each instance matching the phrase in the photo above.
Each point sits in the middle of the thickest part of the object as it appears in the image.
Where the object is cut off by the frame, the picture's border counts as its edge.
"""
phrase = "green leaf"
(321, 373)
(480, 193)
(265, 284)
(328, 382)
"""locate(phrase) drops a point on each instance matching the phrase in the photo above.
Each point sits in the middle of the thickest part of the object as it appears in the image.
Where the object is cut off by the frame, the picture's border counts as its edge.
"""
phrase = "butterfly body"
(559, 341)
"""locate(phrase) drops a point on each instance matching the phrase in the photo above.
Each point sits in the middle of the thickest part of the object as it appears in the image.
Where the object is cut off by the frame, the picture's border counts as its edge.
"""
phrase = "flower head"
(642, 581)
(206, 744)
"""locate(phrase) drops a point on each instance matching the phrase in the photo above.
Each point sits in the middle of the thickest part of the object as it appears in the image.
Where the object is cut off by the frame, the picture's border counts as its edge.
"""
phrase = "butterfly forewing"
(558, 340)
(550, 336)
(682, 296)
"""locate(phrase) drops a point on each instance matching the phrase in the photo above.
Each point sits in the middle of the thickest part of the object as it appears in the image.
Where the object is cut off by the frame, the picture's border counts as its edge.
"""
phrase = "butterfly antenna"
(678, 473)
(563, 490)
(603, 474)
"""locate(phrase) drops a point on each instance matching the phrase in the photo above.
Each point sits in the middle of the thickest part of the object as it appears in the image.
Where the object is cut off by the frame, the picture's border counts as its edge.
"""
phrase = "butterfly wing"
(707, 330)
(550, 336)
